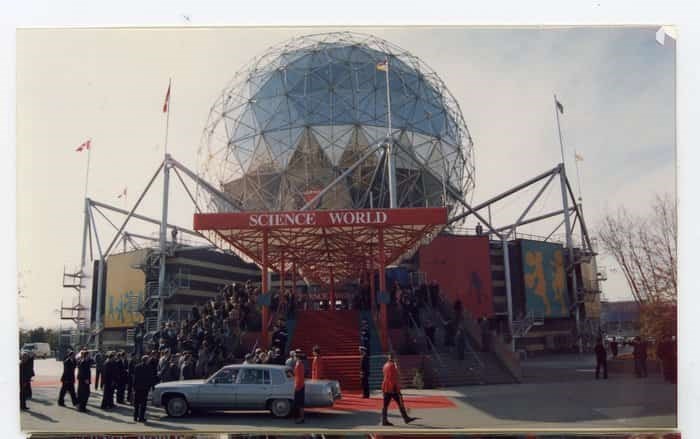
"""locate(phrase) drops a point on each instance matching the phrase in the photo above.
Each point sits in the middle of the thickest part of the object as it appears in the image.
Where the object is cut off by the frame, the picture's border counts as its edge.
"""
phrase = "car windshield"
(29, 347)
(224, 376)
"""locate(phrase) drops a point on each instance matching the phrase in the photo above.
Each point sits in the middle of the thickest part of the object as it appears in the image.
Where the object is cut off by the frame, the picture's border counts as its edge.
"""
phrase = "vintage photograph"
(385, 230)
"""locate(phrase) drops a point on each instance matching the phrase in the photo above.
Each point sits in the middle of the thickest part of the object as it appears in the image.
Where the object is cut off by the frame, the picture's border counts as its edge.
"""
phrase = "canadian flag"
(83, 146)
(122, 194)
(167, 99)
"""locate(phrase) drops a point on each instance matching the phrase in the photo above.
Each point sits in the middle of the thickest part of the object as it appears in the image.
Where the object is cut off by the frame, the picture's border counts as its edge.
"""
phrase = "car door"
(219, 391)
(253, 388)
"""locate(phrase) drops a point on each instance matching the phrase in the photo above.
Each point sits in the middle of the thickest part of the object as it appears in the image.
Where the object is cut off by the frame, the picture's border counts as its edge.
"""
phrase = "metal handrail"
(431, 346)
(466, 340)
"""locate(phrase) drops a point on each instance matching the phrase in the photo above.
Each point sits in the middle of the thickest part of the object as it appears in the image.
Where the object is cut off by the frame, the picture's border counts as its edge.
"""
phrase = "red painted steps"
(337, 333)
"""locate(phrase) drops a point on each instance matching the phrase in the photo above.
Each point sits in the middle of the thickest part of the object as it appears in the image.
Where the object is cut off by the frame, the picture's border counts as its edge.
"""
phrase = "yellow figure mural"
(559, 279)
(535, 279)
(124, 281)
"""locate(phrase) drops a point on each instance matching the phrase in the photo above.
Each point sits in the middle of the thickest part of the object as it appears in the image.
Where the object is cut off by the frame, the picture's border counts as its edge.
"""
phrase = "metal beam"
(579, 214)
(511, 191)
(532, 203)
(133, 209)
(211, 189)
(570, 247)
(452, 191)
(145, 218)
(537, 218)
(163, 239)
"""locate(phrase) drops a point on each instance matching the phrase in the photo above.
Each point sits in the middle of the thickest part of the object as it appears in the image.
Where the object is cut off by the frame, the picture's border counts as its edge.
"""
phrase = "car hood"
(183, 383)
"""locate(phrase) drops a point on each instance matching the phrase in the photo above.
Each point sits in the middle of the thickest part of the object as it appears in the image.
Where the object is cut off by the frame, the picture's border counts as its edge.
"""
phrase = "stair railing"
(431, 347)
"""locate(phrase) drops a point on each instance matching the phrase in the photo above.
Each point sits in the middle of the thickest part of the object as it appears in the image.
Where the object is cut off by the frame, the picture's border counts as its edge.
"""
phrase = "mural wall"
(546, 292)
(123, 282)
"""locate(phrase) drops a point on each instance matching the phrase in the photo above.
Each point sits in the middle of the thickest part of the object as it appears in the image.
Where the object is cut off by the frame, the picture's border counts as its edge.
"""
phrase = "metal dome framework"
(308, 119)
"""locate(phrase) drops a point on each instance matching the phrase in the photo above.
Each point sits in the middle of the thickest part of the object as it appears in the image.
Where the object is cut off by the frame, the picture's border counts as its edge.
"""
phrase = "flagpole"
(561, 142)
(87, 170)
(390, 142)
(578, 176)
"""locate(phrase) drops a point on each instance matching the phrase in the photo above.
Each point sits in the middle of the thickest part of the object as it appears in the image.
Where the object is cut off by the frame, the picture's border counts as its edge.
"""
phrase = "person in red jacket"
(299, 388)
(317, 364)
(392, 390)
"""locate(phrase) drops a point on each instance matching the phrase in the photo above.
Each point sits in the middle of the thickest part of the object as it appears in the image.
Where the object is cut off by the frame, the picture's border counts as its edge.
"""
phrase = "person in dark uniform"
(30, 368)
(84, 372)
(68, 380)
(120, 367)
(299, 387)
(25, 377)
(364, 371)
(640, 357)
(613, 347)
(99, 370)
(153, 366)
(392, 390)
(131, 364)
(601, 359)
(109, 377)
(142, 381)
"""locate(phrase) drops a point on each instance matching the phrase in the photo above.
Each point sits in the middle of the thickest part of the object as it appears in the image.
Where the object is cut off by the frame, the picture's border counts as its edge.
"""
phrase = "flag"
(383, 65)
(83, 146)
(167, 100)
(122, 194)
(578, 157)
(560, 107)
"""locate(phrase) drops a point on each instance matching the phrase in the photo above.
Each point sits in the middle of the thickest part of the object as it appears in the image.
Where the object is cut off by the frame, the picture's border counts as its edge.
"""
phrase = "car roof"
(256, 366)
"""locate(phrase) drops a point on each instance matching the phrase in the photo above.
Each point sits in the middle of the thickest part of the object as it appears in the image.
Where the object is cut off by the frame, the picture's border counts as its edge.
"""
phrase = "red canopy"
(323, 244)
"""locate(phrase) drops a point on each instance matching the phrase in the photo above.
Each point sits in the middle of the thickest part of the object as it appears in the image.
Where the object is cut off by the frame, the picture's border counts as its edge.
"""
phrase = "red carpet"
(353, 402)
(337, 333)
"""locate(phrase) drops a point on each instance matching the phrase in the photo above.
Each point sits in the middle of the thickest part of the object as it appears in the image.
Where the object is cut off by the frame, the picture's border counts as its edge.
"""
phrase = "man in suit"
(131, 364)
(601, 359)
(392, 390)
(25, 378)
(364, 371)
(68, 380)
(143, 380)
(120, 367)
(84, 373)
(99, 370)
(109, 377)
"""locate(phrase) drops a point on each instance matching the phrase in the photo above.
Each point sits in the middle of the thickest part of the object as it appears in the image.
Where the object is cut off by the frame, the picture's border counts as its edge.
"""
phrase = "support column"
(332, 292)
(509, 291)
(294, 280)
(282, 273)
(382, 289)
(570, 247)
(163, 239)
(372, 289)
(265, 287)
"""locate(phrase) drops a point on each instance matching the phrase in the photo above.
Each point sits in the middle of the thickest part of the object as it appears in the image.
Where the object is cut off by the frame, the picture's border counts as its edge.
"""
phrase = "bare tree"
(645, 249)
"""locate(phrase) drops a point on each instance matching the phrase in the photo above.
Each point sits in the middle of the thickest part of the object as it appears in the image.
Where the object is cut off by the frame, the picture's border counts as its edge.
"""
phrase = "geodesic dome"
(306, 111)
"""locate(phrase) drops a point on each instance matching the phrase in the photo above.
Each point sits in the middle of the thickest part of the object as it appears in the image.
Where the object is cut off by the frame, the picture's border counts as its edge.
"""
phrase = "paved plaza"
(557, 393)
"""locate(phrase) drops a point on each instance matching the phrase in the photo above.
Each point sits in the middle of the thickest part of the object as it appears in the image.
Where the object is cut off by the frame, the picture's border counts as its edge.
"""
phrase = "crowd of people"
(211, 335)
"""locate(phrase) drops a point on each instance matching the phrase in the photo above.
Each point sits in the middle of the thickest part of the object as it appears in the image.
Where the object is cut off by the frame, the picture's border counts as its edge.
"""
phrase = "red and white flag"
(166, 104)
(122, 194)
(83, 146)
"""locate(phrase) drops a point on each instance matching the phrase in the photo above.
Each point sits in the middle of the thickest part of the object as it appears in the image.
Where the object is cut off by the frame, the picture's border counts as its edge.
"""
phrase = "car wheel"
(176, 406)
(281, 408)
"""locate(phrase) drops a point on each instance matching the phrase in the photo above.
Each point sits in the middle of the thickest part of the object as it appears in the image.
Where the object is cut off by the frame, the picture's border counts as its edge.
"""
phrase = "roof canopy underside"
(324, 245)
